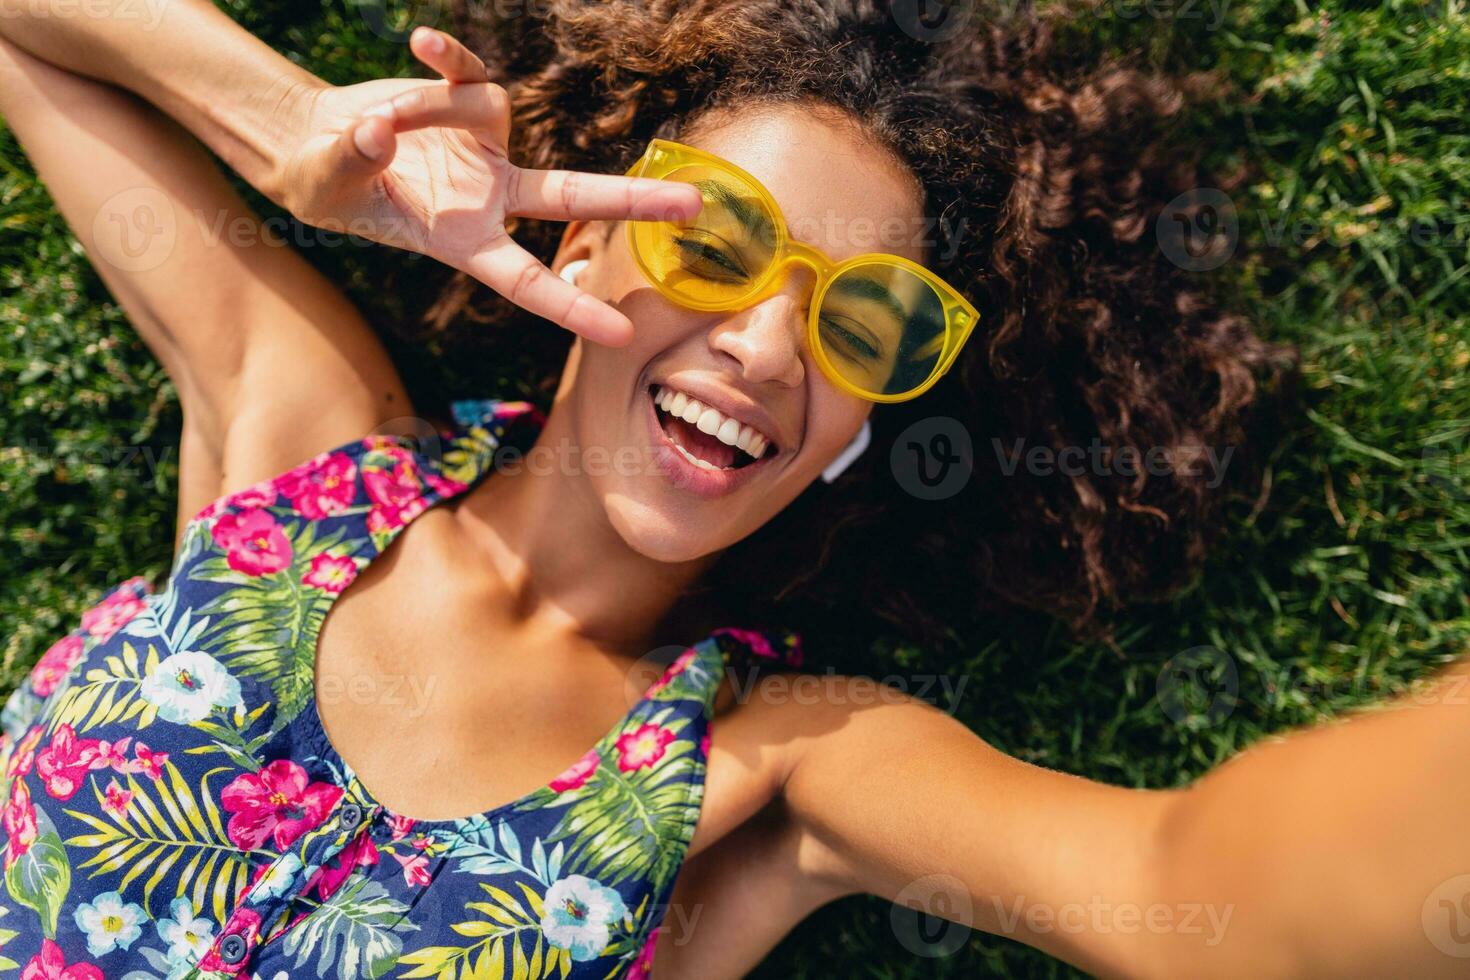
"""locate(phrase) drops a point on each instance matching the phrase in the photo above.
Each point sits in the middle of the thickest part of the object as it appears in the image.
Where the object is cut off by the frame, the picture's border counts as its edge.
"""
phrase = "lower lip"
(684, 474)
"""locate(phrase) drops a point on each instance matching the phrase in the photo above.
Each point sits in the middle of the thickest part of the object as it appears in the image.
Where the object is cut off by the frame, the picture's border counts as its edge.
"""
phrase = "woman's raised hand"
(422, 165)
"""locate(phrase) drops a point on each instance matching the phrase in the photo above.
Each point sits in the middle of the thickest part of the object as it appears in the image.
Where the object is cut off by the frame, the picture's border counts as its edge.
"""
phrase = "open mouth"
(705, 436)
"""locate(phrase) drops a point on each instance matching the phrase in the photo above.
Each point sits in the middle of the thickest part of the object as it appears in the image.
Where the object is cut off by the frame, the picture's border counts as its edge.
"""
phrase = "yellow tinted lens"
(882, 328)
(721, 254)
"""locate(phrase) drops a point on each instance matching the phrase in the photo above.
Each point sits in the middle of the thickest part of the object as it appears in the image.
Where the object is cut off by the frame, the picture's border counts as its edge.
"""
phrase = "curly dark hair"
(1050, 178)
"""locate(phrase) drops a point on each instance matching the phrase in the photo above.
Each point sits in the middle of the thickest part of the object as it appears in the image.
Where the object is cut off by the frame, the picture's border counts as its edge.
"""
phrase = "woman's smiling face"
(838, 192)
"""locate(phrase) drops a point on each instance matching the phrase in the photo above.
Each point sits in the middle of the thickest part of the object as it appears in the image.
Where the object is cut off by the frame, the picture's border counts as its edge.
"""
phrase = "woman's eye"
(706, 259)
(846, 341)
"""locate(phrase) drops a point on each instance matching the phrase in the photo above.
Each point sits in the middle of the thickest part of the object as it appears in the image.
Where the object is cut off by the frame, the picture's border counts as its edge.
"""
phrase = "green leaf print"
(498, 952)
(40, 878)
(108, 694)
(265, 626)
(155, 838)
(355, 931)
(622, 824)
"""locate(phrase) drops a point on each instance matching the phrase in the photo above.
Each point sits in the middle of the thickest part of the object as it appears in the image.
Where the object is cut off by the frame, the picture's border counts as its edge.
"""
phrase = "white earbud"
(573, 269)
(849, 454)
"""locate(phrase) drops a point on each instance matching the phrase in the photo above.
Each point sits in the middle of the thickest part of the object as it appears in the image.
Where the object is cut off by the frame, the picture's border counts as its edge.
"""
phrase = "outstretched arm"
(1328, 852)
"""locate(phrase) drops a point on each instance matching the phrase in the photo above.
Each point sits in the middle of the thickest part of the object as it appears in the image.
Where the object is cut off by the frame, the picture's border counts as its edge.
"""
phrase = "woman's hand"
(423, 166)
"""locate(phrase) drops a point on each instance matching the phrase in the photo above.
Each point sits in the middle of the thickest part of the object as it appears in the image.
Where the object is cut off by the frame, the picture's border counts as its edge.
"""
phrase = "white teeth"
(711, 422)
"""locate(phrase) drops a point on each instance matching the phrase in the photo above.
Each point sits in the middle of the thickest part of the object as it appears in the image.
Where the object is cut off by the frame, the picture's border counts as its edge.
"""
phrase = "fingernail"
(434, 43)
(366, 144)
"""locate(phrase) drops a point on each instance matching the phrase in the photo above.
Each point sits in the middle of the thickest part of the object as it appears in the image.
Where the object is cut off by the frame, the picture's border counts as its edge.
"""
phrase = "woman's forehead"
(837, 189)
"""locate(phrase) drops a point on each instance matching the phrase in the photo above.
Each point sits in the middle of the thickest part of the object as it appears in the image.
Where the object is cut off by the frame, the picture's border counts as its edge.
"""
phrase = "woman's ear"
(581, 243)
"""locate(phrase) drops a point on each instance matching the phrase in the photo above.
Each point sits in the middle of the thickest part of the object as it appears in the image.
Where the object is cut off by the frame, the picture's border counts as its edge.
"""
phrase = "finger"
(483, 110)
(515, 274)
(563, 195)
(364, 148)
(447, 56)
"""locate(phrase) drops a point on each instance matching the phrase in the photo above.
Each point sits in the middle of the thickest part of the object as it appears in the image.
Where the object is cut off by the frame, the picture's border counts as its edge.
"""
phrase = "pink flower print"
(360, 852)
(642, 967)
(253, 541)
(25, 754)
(445, 486)
(50, 964)
(112, 755)
(415, 868)
(115, 799)
(19, 819)
(111, 614)
(245, 923)
(330, 573)
(63, 765)
(322, 487)
(577, 774)
(704, 744)
(756, 641)
(642, 747)
(276, 803)
(261, 494)
(147, 762)
(381, 519)
(674, 670)
(55, 664)
(400, 825)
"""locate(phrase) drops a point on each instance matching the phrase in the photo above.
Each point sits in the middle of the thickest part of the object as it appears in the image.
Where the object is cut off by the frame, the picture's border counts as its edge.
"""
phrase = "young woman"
(461, 771)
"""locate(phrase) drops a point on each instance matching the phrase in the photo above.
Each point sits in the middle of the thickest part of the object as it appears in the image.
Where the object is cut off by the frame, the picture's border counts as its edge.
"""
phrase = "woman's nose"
(766, 338)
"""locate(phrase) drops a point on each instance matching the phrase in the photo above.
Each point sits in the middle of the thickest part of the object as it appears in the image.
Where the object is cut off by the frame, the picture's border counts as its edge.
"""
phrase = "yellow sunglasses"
(881, 327)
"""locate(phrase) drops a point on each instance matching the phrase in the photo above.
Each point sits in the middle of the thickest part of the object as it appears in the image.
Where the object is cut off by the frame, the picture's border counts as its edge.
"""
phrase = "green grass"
(1343, 582)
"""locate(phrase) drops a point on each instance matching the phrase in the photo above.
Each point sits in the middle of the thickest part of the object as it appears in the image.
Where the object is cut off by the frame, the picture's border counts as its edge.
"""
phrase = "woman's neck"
(546, 537)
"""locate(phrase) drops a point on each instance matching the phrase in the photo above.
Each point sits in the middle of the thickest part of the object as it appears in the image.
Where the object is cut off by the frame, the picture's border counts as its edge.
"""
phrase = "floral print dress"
(172, 807)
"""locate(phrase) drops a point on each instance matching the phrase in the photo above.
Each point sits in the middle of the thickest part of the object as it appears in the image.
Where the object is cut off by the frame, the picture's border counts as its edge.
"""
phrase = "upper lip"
(730, 404)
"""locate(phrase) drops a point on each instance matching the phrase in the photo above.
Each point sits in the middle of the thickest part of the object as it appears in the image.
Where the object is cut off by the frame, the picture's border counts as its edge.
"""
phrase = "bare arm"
(271, 363)
(1314, 854)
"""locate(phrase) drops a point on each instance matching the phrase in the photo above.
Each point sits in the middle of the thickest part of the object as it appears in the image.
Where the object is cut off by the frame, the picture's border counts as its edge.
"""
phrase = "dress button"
(232, 948)
(351, 816)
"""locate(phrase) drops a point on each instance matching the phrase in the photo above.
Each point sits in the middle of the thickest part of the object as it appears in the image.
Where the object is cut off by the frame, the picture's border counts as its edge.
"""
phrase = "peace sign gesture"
(422, 165)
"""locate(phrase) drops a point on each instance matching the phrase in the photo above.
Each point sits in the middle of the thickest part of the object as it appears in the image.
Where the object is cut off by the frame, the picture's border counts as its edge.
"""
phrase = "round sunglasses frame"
(663, 157)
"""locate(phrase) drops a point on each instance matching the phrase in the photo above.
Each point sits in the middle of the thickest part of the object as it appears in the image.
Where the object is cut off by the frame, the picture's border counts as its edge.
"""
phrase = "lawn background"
(1345, 581)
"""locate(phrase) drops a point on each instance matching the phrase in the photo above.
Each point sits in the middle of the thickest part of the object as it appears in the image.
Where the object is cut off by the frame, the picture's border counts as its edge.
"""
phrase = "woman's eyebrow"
(755, 219)
(871, 289)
